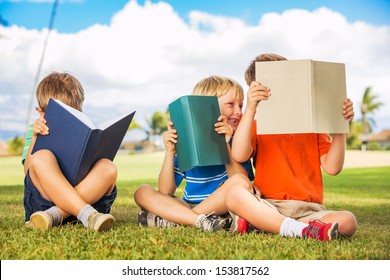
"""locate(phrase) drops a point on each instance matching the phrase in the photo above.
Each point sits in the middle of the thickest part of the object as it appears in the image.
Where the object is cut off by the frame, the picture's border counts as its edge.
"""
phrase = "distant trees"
(16, 145)
(361, 128)
(368, 107)
(155, 125)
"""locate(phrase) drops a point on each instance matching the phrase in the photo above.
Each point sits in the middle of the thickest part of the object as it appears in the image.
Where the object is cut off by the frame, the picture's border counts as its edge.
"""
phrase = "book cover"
(306, 97)
(76, 142)
(198, 143)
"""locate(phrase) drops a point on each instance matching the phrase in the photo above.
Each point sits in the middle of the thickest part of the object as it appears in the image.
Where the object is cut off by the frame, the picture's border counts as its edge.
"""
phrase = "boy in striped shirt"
(205, 186)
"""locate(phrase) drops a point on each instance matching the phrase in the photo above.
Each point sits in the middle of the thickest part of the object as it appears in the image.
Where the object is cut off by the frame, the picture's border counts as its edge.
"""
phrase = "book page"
(330, 86)
(288, 109)
(79, 115)
(105, 124)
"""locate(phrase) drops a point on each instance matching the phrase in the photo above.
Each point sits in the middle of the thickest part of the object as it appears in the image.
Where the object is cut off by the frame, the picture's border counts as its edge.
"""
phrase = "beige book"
(306, 97)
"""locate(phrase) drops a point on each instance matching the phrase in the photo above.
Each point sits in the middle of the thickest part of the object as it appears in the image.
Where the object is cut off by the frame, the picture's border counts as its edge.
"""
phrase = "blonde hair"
(250, 74)
(218, 86)
(62, 86)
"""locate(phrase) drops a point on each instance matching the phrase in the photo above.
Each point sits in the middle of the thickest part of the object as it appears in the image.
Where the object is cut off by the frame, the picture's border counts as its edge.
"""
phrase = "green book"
(198, 144)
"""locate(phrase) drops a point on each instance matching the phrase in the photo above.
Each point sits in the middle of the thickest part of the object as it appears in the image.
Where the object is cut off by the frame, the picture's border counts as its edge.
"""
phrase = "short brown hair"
(62, 86)
(218, 86)
(250, 74)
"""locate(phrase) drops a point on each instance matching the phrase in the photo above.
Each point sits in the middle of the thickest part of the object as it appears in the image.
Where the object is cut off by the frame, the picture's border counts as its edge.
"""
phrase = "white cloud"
(148, 56)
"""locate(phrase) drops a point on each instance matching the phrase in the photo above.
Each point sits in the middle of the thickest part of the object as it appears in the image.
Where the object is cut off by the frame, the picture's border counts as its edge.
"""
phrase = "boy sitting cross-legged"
(287, 194)
(205, 186)
(49, 199)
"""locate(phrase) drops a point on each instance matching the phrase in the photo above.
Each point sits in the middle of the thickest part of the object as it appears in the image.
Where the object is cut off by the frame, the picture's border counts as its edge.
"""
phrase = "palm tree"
(368, 106)
(134, 125)
(156, 125)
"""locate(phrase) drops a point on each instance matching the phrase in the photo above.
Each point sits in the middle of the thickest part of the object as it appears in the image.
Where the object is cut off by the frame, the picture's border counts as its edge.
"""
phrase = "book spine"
(191, 136)
(195, 132)
(86, 159)
(183, 122)
(312, 104)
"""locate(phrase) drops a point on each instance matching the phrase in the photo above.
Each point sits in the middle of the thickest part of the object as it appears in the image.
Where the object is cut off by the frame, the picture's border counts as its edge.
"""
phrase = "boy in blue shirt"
(205, 186)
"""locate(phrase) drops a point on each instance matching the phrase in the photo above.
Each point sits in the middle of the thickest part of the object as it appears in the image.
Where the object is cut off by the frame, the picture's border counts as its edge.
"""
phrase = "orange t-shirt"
(288, 165)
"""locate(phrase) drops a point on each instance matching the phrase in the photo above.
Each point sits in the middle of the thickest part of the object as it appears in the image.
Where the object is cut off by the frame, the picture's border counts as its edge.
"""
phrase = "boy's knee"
(41, 158)
(241, 180)
(349, 225)
(233, 196)
(142, 191)
(107, 168)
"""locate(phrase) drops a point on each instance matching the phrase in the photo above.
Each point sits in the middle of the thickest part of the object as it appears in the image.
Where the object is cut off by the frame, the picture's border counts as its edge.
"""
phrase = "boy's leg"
(50, 182)
(99, 182)
(47, 177)
(244, 204)
(346, 220)
(215, 203)
(262, 215)
(34, 203)
(164, 206)
(98, 188)
(310, 211)
(167, 211)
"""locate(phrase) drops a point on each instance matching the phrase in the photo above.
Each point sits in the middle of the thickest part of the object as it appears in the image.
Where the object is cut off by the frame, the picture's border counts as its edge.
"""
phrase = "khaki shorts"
(295, 209)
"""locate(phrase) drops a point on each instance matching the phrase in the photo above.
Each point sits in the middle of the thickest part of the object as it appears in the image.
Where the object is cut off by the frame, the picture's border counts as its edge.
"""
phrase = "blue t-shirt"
(203, 181)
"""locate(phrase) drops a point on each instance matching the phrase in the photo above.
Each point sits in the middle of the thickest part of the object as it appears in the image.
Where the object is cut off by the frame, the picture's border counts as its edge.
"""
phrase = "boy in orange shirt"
(288, 187)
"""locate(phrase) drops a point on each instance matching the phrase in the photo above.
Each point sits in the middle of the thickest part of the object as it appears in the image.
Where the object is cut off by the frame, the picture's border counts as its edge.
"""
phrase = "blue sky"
(73, 16)
(141, 55)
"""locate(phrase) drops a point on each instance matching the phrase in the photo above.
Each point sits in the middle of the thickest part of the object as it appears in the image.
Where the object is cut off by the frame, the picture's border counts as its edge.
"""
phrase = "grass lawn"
(363, 191)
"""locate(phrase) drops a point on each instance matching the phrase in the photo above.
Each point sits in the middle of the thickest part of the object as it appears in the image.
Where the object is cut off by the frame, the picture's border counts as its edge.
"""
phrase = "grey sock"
(84, 214)
(56, 215)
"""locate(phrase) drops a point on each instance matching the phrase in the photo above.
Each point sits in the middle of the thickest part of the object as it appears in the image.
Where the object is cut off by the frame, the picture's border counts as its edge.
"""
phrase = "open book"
(198, 144)
(307, 96)
(77, 142)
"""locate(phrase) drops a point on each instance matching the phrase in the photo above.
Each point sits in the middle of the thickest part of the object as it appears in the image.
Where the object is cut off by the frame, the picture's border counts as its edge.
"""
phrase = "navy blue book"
(77, 142)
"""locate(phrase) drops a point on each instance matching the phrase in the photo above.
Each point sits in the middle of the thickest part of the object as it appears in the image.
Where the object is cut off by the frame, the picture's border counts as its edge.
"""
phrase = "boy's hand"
(222, 127)
(170, 138)
(348, 112)
(40, 127)
(256, 93)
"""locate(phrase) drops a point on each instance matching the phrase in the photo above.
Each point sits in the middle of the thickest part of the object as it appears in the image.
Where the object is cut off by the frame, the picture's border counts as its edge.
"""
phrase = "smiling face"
(231, 107)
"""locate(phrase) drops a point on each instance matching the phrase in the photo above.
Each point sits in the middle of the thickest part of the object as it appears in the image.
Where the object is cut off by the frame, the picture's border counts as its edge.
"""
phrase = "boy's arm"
(333, 161)
(234, 167)
(242, 148)
(166, 179)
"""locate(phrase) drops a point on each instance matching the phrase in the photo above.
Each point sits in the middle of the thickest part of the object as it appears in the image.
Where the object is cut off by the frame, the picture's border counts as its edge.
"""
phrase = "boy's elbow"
(333, 171)
(332, 166)
(239, 156)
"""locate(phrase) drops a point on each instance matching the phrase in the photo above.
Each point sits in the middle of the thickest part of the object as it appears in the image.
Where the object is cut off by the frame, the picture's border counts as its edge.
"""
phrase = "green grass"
(364, 191)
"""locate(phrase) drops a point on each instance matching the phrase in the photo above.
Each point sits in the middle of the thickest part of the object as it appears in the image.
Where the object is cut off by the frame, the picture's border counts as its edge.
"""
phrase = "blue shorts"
(33, 201)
